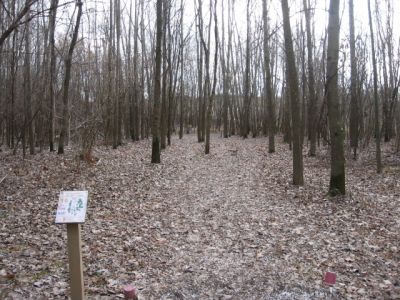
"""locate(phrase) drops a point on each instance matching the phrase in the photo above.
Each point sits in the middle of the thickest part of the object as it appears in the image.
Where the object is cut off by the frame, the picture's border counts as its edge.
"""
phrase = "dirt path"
(224, 225)
(228, 225)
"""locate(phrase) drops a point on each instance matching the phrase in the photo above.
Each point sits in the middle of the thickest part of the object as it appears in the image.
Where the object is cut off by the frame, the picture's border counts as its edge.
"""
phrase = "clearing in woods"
(228, 225)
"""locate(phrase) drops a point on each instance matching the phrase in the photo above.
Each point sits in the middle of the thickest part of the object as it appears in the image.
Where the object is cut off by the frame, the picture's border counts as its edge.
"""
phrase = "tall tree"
(269, 93)
(212, 95)
(52, 73)
(117, 113)
(181, 108)
(206, 95)
(200, 54)
(312, 104)
(225, 74)
(155, 150)
(165, 67)
(337, 180)
(376, 101)
(354, 109)
(137, 115)
(246, 84)
(67, 78)
(28, 123)
(293, 83)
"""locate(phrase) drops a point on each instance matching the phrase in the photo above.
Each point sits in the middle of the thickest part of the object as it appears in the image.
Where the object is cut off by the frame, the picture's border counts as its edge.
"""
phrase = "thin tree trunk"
(52, 75)
(269, 93)
(200, 120)
(28, 123)
(246, 84)
(294, 97)
(67, 78)
(136, 115)
(337, 181)
(376, 101)
(155, 150)
(165, 66)
(312, 104)
(181, 109)
(211, 97)
(354, 109)
(117, 121)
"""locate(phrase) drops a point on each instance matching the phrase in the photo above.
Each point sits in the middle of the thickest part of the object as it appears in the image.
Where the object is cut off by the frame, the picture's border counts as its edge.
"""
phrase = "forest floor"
(228, 225)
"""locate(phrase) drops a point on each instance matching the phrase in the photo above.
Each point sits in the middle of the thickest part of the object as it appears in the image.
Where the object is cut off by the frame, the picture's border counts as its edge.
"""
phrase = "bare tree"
(67, 78)
(52, 75)
(155, 150)
(337, 180)
(200, 57)
(354, 109)
(225, 75)
(182, 90)
(312, 104)
(28, 123)
(211, 97)
(294, 97)
(246, 84)
(376, 101)
(17, 21)
(117, 109)
(269, 93)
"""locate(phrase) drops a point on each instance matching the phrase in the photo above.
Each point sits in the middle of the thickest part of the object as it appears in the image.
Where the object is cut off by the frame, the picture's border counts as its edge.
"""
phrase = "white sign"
(72, 207)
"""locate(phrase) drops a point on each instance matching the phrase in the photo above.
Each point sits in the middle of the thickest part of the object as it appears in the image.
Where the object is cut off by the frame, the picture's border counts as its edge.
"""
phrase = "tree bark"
(181, 108)
(294, 97)
(312, 104)
(28, 123)
(52, 75)
(67, 78)
(269, 93)
(211, 97)
(354, 109)
(376, 100)
(337, 179)
(246, 85)
(155, 150)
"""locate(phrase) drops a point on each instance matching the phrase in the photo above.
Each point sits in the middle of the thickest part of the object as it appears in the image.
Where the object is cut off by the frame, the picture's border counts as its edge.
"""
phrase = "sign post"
(72, 211)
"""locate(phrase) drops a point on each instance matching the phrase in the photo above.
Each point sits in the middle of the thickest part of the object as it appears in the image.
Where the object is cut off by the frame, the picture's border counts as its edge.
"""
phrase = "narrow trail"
(228, 225)
(214, 214)
(213, 206)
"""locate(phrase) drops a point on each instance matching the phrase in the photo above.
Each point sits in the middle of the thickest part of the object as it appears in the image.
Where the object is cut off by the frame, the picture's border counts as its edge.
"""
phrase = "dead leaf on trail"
(223, 226)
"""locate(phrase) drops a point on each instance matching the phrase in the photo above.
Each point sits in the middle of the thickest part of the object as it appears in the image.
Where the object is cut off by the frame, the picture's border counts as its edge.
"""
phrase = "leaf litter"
(228, 225)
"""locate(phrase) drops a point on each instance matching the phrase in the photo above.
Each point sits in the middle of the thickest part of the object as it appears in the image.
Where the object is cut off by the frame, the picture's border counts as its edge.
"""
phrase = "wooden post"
(75, 261)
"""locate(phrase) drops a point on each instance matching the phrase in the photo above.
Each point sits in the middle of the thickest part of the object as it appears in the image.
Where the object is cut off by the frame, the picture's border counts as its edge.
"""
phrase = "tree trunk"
(246, 85)
(67, 78)
(155, 150)
(200, 119)
(52, 75)
(137, 116)
(117, 115)
(294, 97)
(312, 104)
(376, 101)
(28, 124)
(354, 109)
(336, 130)
(269, 93)
(181, 109)
(211, 97)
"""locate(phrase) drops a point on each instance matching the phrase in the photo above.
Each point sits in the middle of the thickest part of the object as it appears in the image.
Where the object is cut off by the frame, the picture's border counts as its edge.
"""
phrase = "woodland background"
(212, 137)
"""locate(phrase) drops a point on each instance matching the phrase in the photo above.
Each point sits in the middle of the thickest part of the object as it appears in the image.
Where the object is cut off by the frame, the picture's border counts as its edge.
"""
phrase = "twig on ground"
(3, 179)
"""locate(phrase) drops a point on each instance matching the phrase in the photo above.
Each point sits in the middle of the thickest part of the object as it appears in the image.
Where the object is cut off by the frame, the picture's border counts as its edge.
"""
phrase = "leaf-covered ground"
(228, 225)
